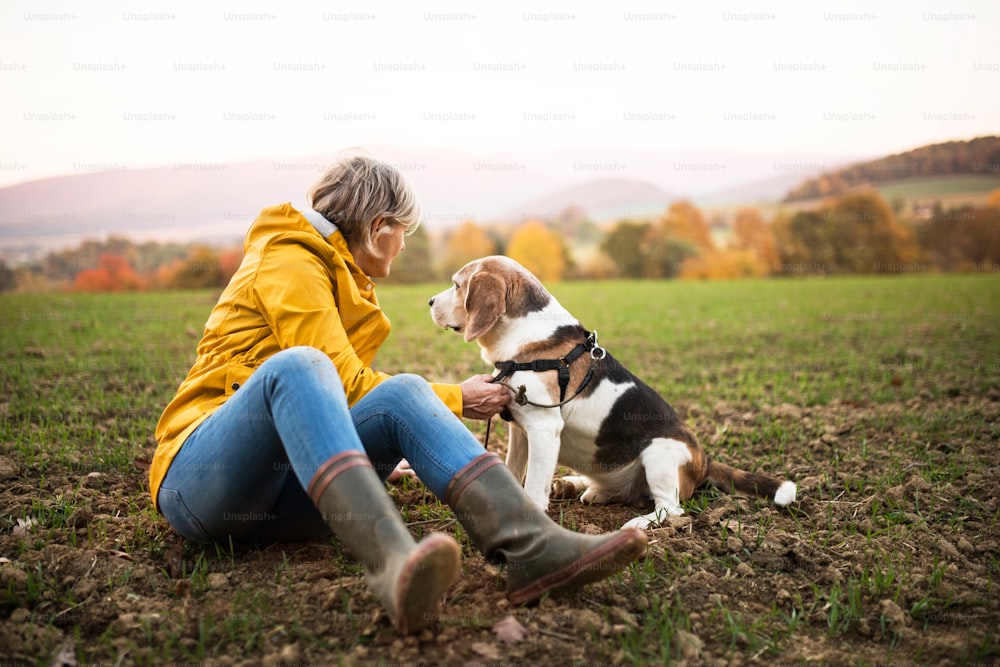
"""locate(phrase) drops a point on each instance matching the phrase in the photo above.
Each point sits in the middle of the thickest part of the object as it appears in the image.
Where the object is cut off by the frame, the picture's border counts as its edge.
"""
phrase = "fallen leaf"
(24, 526)
(66, 657)
(509, 630)
(182, 588)
(488, 651)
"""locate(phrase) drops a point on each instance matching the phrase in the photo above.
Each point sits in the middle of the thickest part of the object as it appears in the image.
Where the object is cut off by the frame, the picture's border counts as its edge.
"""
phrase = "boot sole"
(606, 560)
(429, 572)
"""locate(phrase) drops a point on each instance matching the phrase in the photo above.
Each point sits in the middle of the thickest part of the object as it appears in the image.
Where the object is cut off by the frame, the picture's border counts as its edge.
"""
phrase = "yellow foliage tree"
(723, 265)
(993, 199)
(468, 242)
(540, 250)
(751, 234)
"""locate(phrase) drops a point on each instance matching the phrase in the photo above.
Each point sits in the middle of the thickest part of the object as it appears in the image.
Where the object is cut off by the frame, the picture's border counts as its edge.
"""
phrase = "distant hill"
(598, 200)
(976, 157)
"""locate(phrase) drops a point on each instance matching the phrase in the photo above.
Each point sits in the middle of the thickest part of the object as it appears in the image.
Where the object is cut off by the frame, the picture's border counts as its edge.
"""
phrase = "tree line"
(857, 233)
(979, 156)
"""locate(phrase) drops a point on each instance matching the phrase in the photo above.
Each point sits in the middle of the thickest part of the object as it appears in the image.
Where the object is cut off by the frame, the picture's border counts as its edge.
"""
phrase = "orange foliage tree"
(724, 264)
(753, 235)
(468, 242)
(684, 222)
(229, 261)
(540, 250)
(993, 199)
(111, 274)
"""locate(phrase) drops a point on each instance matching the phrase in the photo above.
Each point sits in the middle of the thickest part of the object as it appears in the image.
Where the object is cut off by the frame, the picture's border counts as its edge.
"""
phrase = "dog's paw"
(654, 518)
(640, 522)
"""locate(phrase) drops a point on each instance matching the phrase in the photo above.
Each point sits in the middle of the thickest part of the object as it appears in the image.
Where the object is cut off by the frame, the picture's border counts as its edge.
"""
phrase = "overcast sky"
(105, 84)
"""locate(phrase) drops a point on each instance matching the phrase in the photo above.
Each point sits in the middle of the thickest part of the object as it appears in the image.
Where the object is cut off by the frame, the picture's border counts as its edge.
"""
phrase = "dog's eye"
(456, 285)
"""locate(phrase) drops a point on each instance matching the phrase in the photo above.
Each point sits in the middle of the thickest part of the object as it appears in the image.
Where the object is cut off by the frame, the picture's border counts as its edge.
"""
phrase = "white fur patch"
(785, 495)
(662, 461)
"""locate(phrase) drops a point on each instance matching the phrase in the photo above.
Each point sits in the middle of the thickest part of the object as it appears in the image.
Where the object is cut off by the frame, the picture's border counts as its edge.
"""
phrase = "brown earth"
(890, 556)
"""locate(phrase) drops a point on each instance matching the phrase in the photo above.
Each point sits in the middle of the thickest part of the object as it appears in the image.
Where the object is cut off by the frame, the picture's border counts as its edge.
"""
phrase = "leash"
(521, 398)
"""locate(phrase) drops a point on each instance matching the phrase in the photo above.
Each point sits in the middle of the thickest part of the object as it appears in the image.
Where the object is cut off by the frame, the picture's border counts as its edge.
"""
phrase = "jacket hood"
(284, 219)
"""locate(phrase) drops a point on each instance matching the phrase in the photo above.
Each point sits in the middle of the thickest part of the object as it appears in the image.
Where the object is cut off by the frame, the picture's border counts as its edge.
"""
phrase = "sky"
(108, 85)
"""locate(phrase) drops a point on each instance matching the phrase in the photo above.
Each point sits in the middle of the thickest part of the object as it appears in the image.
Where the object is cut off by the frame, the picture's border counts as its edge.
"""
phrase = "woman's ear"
(380, 224)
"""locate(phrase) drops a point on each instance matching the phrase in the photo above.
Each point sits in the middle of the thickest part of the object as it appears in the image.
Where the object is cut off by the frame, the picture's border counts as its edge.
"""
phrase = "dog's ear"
(485, 302)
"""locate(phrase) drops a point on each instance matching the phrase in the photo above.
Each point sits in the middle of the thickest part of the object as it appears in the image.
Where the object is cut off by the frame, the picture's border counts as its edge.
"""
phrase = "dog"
(591, 415)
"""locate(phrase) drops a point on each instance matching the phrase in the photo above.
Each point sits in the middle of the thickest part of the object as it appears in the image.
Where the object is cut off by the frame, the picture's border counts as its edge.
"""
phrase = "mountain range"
(215, 202)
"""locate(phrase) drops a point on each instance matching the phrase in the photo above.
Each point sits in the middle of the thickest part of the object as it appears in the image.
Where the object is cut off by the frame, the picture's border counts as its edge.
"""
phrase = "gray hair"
(355, 190)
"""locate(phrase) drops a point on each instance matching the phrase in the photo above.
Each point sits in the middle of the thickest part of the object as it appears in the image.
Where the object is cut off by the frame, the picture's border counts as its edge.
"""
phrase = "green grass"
(773, 341)
(924, 188)
(893, 373)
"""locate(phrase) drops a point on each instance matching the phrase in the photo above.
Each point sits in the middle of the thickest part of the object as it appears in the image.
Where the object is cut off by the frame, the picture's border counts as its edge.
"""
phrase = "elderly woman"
(282, 431)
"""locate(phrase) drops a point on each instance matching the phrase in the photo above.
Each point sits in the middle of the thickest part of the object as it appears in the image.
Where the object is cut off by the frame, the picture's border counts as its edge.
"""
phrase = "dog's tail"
(733, 480)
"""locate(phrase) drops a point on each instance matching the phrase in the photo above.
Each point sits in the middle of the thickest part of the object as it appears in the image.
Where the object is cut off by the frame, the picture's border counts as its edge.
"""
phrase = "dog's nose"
(430, 302)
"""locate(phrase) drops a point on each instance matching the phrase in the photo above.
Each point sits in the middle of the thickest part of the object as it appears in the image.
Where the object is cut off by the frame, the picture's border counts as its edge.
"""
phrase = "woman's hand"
(402, 470)
(481, 398)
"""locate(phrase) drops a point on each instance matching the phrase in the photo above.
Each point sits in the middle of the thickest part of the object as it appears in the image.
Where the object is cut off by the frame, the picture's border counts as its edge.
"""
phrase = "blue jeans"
(243, 472)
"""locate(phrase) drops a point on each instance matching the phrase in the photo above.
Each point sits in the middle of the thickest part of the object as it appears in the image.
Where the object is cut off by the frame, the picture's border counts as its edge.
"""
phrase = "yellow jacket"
(293, 288)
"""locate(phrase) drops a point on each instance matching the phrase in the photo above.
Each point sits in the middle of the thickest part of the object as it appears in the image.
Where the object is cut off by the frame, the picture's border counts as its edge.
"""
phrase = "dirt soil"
(851, 574)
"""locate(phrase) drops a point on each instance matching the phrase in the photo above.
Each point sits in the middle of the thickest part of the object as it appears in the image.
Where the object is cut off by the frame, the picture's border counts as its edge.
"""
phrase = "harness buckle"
(596, 351)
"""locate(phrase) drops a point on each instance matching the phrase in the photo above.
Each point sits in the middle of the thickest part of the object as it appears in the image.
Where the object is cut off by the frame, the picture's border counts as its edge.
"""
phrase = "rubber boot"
(408, 578)
(540, 555)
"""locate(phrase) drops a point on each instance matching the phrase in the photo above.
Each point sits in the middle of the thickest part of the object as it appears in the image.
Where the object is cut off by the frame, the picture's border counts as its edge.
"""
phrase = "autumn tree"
(803, 243)
(751, 234)
(857, 233)
(229, 261)
(201, 269)
(7, 279)
(623, 245)
(112, 273)
(469, 241)
(993, 199)
(865, 234)
(962, 239)
(724, 264)
(684, 222)
(540, 250)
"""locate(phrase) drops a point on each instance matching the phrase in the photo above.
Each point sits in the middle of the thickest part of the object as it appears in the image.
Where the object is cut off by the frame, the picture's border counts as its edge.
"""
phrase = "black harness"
(561, 365)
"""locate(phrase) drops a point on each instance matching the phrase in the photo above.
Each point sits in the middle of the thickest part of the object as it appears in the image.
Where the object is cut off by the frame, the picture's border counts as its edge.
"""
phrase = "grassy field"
(943, 186)
(879, 396)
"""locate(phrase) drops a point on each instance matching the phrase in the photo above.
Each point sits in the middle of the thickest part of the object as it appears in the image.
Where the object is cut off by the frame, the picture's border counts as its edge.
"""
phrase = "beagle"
(591, 414)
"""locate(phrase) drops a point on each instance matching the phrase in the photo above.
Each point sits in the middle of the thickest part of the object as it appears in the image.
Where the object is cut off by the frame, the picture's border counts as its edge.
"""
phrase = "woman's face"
(387, 242)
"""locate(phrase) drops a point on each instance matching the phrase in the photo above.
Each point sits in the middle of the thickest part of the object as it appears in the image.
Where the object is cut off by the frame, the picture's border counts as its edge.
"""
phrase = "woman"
(283, 431)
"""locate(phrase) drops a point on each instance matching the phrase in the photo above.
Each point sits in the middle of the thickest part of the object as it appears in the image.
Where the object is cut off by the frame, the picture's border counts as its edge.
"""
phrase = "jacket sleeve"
(451, 394)
(294, 293)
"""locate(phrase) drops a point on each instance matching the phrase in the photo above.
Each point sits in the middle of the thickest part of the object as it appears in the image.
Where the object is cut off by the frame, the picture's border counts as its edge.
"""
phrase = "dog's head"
(486, 292)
